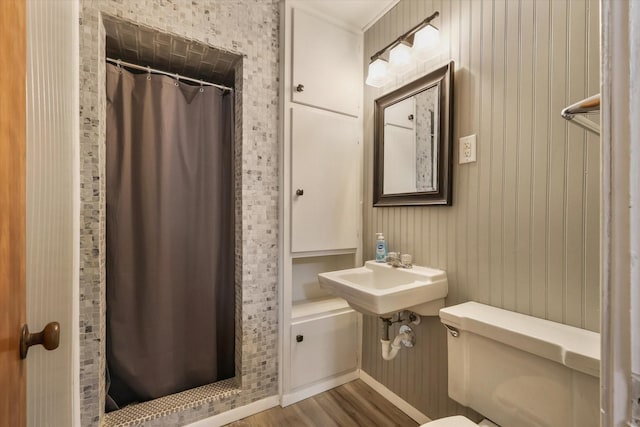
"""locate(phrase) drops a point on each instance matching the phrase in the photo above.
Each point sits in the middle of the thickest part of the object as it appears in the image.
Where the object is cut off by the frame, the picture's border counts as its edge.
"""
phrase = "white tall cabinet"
(321, 202)
(324, 179)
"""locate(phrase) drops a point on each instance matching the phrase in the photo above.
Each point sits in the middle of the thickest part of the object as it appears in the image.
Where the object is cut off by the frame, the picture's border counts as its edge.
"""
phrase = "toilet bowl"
(458, 421)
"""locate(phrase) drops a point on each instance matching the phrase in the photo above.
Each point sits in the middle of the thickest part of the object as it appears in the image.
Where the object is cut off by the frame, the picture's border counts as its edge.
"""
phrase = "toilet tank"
(519, 370)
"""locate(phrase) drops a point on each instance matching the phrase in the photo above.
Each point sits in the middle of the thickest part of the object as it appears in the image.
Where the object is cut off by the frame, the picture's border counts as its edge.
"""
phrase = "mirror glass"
(412, 142)
(410, 152)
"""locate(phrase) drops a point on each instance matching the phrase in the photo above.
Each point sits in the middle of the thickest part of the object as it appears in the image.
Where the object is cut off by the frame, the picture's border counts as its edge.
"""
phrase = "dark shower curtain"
(170, 236)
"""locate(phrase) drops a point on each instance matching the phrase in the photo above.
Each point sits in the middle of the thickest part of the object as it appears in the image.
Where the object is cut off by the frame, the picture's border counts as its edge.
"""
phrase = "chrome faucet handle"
(393, 259)
(405, 260)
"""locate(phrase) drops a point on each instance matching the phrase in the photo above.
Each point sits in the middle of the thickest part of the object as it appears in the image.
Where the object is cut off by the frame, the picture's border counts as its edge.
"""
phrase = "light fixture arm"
(406, 35)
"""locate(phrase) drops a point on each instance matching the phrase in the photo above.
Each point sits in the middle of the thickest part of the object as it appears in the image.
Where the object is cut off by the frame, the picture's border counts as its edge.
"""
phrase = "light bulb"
(378, 74)
(400, 59)
(425, 43)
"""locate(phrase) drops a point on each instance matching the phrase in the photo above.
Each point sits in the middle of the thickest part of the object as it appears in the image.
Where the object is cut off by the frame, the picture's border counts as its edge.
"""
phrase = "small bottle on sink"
(381, 248)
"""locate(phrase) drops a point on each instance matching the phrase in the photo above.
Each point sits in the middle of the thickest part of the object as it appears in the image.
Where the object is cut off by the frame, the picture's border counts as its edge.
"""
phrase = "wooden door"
(12, 209)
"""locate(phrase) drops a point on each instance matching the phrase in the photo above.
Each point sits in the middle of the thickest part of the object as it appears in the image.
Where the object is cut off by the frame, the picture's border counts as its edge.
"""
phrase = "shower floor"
(354, 404)
(138, 414)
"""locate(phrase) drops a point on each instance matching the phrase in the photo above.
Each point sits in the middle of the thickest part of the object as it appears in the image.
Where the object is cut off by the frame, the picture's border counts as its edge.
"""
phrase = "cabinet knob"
(300, 88)
(299, 338)
(410, 117)
(299, 192)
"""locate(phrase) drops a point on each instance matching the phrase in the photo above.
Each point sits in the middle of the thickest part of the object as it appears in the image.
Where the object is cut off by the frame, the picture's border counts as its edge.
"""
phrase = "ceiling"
(169, 52)
(355, 13)
(146, 46)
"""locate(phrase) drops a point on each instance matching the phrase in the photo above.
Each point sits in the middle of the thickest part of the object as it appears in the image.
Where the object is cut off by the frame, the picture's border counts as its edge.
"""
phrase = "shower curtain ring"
(148, 73)
(119, 66)
(177, 83)
(201, 86)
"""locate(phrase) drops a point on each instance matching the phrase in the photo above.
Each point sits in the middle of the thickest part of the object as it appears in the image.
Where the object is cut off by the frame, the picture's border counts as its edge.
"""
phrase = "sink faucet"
(394, 259)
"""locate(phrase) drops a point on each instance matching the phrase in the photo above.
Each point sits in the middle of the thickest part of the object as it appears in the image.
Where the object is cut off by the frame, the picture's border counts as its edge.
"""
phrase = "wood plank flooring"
(354, 404)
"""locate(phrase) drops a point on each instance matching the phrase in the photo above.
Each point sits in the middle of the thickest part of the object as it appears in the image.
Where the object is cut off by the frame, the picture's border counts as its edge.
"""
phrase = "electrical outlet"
(467, 149)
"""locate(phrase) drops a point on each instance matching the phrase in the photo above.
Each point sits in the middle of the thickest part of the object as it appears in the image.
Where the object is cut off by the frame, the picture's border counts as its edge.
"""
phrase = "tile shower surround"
(250, 29)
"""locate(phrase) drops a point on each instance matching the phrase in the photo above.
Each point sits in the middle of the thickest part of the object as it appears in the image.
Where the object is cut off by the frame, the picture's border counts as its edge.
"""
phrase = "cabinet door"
(327, 61)
(399, 160)
(401, 114)
(325, 168)
(321, 348)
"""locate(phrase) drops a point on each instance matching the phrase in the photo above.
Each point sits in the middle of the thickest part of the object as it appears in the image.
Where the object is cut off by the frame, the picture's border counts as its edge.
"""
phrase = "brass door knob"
(49, 338)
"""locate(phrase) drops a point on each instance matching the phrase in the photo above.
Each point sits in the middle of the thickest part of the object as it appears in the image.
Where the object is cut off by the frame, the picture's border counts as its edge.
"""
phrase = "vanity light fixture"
(378, 74)
(418, 43)
(425, 43)
(400, 59)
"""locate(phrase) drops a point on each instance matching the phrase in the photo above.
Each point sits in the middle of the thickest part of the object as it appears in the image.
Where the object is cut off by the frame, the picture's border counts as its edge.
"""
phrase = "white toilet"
(520, 371)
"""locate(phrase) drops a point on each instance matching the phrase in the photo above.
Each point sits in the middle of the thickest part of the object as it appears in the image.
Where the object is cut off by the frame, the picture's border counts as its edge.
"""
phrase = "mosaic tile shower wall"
(246, 27)
(426, 116)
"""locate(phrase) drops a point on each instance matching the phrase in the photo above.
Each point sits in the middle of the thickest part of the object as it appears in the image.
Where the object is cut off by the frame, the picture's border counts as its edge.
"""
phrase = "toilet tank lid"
(575, 348)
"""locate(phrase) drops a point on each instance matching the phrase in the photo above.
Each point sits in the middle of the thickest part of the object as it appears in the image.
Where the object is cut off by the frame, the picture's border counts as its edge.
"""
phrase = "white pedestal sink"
(380, 289)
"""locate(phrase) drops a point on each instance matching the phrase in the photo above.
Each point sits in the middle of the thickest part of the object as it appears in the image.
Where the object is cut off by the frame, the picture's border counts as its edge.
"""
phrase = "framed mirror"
(412, 142)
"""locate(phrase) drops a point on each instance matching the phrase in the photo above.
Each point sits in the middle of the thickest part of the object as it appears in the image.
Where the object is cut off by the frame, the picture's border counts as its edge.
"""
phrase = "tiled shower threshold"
(139, 413)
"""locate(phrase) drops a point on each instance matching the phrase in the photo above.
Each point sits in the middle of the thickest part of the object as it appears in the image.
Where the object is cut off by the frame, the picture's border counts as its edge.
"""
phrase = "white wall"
(52, 205)
(620, 232)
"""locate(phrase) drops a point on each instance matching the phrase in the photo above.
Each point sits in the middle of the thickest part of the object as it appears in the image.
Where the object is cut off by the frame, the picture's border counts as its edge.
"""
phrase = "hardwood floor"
(354, 404)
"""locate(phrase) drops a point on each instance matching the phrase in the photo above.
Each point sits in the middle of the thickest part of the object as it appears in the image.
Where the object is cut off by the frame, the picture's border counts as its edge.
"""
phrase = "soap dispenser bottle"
(381, 248)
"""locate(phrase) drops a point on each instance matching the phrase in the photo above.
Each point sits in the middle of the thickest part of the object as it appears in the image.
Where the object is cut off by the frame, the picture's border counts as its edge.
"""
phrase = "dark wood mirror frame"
(442, 194)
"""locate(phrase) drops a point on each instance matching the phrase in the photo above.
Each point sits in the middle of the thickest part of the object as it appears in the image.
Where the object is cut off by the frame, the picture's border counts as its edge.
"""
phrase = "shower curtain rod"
(174, 75)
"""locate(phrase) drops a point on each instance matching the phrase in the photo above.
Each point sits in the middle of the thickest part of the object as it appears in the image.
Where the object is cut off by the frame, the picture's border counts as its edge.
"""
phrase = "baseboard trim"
(237, 413)
(399, 402)
(296, 396)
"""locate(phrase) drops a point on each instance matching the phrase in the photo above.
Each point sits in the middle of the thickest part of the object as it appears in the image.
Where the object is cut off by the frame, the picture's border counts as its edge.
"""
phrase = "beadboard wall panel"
(523, 231)
(52, 168)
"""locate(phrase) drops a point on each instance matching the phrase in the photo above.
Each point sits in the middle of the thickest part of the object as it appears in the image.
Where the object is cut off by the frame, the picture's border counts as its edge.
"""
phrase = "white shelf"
(314, 254)
(308, 308)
